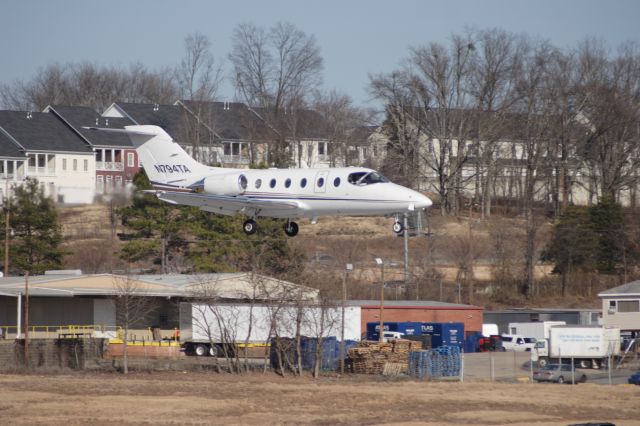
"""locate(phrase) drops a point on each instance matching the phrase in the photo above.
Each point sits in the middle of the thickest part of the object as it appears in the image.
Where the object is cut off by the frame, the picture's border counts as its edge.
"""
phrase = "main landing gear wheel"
(291, 229)
(249, 227)
(397, 227)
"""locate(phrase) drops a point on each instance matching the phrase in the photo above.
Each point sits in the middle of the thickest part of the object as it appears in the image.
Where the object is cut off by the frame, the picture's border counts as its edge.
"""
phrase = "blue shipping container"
(444, 333)
(406, 328)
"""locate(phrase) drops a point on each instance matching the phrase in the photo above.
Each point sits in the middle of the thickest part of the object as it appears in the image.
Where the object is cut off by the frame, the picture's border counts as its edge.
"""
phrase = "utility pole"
(26, 319)
(406, 253)
(380, 262)
(7, 228)
(348, 267)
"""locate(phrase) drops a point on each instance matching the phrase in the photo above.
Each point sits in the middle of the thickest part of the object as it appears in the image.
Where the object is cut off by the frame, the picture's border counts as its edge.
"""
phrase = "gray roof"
(628, 289)
(8, 148)
(303, 124)
(39, 131)
(412, 304)
(80, 117)
(231, 120)
(174, 119)
(225, 286)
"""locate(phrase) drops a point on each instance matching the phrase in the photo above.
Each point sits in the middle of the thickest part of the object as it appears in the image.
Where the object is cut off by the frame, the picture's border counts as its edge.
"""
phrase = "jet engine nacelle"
(227, 184)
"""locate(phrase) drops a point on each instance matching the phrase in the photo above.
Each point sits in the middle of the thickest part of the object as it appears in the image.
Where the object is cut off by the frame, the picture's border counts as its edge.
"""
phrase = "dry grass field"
(209, 398)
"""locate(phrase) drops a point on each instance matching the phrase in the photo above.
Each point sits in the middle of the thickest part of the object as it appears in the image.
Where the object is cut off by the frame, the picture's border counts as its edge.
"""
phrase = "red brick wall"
(471, 317)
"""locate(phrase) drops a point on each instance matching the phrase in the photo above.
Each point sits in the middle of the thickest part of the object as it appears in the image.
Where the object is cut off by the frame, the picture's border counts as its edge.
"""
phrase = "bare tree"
(275, 71)
(608, 91)
(133, 306)
(199, 77)
(86, 84)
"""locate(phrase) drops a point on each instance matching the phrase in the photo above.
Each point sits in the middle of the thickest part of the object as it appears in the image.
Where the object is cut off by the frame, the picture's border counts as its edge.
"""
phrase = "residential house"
(184, 127)
(241, 136)
(13, 165)
(621, 307)
(55, 155)
(116, 159)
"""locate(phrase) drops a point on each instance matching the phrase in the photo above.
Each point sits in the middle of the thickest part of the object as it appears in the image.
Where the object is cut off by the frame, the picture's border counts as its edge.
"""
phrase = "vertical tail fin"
(164, 161)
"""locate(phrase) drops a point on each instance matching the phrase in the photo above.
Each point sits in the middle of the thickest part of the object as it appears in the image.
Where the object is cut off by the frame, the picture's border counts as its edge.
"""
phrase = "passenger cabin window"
(258, 183)
(272, 184)
(287, 183)
(303, 182)
(336, 182)
(366, 178)
(320, 182)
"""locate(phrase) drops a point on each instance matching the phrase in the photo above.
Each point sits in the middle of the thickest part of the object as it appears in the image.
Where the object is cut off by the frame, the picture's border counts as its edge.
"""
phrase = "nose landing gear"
(291, 229)
(397, 227)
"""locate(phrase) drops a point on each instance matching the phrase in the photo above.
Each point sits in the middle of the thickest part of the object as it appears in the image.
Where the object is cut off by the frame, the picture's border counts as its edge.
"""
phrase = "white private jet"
(279, 193)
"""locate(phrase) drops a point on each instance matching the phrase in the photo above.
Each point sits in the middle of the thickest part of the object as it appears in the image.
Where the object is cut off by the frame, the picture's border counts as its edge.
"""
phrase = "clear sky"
(356, 37)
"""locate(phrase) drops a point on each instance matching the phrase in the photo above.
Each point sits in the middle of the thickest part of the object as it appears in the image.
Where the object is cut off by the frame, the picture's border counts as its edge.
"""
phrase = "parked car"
(634, 379)
(514, 342)
(558, 373)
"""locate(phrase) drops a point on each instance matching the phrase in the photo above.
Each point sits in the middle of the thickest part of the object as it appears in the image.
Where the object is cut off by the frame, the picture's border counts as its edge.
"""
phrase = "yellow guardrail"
(148, 334)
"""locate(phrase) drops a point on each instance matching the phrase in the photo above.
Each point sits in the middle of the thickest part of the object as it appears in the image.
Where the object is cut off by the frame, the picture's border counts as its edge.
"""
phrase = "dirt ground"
(210, 398)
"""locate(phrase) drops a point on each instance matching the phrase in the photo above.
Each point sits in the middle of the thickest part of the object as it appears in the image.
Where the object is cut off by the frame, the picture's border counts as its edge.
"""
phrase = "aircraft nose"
(422, 201)
(418, 200)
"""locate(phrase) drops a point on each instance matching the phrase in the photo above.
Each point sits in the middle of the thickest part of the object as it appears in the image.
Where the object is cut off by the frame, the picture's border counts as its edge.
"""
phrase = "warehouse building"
(64, 298)
(421, 311)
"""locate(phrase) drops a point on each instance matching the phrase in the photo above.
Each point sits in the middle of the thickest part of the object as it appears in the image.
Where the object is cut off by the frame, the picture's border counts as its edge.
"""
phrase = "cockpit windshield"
(366, 178)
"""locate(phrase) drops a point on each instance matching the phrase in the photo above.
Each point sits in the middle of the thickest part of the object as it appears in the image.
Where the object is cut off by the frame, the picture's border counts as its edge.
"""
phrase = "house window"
(322, 148)
(100, 183)
(130, 160)
(118, 180)
(64, 164)
(628, 305)
(86, 165)
(75, 165)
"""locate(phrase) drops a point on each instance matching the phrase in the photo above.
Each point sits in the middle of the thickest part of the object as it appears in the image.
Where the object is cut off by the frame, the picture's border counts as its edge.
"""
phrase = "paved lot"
(516, 366)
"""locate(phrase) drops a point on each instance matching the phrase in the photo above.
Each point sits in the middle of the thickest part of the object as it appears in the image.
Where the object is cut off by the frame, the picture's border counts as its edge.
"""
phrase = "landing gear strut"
(249, 227)
(291, 229)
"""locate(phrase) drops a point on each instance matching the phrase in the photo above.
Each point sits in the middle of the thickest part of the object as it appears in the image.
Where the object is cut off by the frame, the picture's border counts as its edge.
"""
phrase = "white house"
(55, 155)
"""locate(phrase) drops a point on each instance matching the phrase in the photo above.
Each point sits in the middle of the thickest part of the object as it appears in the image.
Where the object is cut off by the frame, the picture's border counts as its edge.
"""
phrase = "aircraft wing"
(228, 205)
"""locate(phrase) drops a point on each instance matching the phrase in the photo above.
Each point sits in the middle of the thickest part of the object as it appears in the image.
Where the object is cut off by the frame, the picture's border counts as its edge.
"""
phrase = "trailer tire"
(585, 363)
(213, 350)
(200, 350)
(542, 362)
(561, 380)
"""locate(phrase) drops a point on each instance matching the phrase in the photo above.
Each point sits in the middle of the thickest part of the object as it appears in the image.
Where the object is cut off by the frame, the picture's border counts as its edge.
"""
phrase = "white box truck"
(538, 330)
(588, 346)
(205, 328)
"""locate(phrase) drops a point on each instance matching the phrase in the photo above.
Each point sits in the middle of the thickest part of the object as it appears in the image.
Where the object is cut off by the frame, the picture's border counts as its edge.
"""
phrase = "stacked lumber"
(382, 358)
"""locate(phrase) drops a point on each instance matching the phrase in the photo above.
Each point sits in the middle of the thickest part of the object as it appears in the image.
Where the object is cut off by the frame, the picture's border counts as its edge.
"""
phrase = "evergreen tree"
(573, 245)
(157, 226)
(608, 222)
(35, 244)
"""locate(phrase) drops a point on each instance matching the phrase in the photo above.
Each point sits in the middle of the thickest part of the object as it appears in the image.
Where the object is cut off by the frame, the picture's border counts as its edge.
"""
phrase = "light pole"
(380, 262)
(347, 268)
